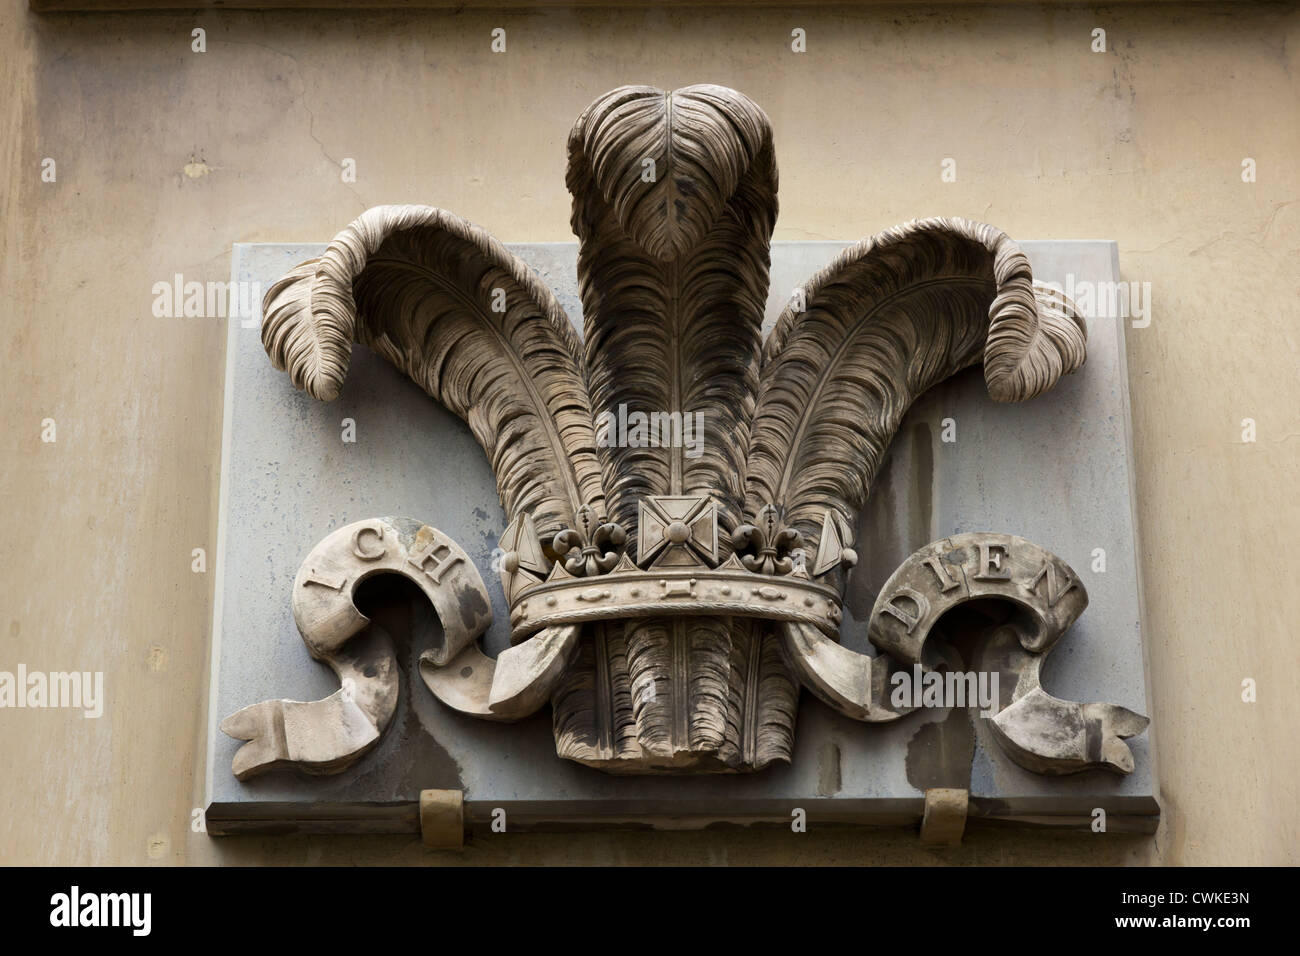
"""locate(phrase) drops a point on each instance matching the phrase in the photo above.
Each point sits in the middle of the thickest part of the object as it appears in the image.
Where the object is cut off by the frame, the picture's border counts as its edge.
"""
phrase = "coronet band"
(695, 591)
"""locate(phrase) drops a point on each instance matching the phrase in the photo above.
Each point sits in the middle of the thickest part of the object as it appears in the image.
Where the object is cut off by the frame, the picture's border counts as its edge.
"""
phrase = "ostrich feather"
(764, 698)
(592, 704)
(673, 275)
(891, 317)
(674, 200)
(465, 319)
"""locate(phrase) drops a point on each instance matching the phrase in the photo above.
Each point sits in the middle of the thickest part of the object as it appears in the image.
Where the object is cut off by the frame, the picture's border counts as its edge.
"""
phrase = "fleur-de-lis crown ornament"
(670, 602)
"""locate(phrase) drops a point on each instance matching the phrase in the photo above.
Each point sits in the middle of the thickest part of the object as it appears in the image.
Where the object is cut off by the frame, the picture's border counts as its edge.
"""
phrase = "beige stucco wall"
(1143, 144)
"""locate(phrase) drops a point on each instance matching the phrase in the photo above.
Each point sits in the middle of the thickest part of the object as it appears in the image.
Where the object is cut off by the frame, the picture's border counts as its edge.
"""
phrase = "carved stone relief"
(669, 599)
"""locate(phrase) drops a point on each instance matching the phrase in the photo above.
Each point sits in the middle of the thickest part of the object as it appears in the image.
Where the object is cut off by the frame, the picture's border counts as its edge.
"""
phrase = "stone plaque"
(1006, 505)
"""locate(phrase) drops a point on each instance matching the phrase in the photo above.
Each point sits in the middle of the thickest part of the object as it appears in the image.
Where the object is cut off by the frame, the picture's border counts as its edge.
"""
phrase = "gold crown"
(586, 573)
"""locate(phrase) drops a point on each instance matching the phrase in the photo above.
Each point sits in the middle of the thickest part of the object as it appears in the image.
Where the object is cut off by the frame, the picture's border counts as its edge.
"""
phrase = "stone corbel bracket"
(1040, 732)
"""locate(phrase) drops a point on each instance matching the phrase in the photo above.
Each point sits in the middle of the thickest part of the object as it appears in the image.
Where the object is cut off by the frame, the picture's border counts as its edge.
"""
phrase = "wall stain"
(829, 778)
(940, 753)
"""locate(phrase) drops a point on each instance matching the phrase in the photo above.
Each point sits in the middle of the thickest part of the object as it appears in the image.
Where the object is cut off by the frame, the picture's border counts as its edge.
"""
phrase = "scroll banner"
(328, 736)
(1030, 598)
